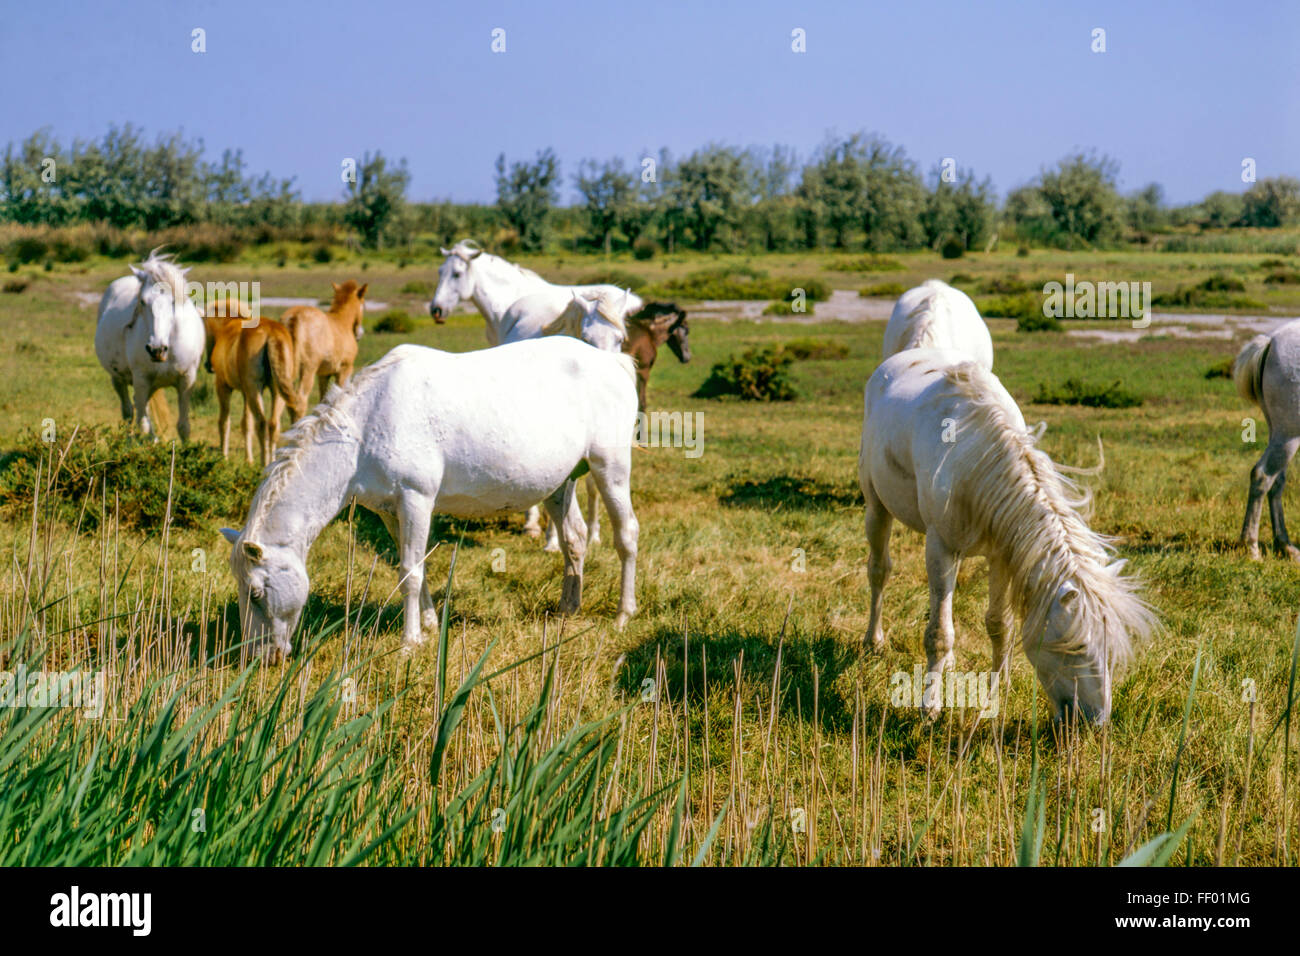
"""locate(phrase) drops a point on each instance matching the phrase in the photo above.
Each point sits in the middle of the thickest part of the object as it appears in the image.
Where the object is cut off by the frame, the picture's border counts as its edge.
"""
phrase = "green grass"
(752, 584)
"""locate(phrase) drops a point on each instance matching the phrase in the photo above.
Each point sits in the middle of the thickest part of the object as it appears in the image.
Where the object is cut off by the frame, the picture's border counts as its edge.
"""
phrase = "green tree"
(962, 209)
(525, 194)
(607, 190)
(376, 200)
(1081, 194)
(710, 191)
(1271, 203)
(1145, 211)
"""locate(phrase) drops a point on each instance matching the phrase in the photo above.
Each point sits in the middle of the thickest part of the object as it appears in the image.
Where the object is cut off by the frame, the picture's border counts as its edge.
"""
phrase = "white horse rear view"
(1267, 373)
(423, 431)
(945, 451)
(934, 315)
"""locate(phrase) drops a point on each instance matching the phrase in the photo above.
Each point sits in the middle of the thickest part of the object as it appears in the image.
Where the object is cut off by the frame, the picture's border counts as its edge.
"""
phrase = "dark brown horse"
(659, 323)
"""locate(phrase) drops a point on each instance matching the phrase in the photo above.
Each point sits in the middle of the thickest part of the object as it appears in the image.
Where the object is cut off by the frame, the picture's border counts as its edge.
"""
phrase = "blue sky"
(1183, 93)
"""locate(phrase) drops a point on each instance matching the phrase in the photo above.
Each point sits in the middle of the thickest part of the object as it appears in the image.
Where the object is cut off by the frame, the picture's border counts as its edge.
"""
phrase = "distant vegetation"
(854, 193)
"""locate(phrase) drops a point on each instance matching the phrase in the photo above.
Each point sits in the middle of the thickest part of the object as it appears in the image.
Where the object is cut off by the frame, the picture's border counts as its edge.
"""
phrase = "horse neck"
(499, 286)
(316, 484)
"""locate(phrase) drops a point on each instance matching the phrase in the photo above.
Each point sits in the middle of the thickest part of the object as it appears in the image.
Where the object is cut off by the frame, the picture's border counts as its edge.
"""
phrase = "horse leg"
(998, 619)
(273, 423)
(562, 508)
(1281, 541)
(253, 401)
(223, 417)
(183, 401)
(941, 569)
(533, 527)
(143, 391)
(1271, 464)
(879, 524)
(120, 384)
(324, 382)
(612, 479)
(428, 611)
(593, 512)
(414, 516)
(308, 376)
(248, 430)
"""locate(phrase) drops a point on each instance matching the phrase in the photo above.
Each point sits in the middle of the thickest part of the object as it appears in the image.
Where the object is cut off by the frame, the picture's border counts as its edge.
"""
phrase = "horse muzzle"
(157, 352)
(437, 313)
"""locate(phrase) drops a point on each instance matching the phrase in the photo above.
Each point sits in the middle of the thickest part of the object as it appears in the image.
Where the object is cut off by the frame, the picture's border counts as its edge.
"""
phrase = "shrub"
(1222, 283)
(736, 282)
(644, 248)
(872, 263)
(952, 248)
(201, 243)
(1038, 323)
(132, 472)
(1024, 305)
(322, 254)
(1282, 277)
(614, 276)
(883, 289)
(1215, 292)
(1006, 285)
(1075, 392)
(417, 287)
(1022, 250)
(961, 278)
(396, 321)
(15, 286)
(1220, 369)
(784, 307)
(27, 249)
(1274, 264)
(816, 349)
(760, 374)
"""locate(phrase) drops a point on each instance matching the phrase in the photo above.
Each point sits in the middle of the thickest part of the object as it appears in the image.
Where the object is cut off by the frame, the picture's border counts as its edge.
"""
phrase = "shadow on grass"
(711, 665)
(790, 491)
(372, 531)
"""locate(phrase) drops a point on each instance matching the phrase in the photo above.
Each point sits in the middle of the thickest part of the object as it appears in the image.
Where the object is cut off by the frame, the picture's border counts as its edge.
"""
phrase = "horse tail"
(1248, 369)
(160, 416)
(282, 364)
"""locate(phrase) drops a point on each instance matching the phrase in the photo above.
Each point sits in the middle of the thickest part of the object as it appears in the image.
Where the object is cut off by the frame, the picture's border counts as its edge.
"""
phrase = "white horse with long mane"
(495, 284)
(946, 452)
(423, 431)
(1267, 373)
(149, 336)
(934, 315)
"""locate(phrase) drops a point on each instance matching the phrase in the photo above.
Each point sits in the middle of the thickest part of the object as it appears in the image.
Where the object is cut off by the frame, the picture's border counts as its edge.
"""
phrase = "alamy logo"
(72, 909)
(953, 690)
(24, 688)
(1098, 300)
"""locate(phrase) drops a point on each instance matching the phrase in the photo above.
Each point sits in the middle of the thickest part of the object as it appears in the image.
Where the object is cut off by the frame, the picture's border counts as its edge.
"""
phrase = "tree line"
(853, 192)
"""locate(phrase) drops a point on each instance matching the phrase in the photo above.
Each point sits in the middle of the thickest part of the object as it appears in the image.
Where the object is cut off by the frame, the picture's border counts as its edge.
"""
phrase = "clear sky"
(1184, 91)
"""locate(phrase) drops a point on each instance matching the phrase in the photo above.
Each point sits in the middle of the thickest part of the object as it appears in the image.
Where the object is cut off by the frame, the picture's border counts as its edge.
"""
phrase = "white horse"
(934, 315)
(599, 320)
(422, 431)
(1267, 373)
(494, 285)
(149, 336)
(946, 452)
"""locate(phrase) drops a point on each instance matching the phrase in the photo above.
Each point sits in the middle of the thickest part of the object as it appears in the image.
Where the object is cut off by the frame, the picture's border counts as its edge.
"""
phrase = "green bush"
(961, 278)
(1022, 250)
(872, 263)
(1023, 305)
(644, 248)
(759, 375)
(1038, 322)
(1220, 369)
(952, 248)
(736, 282)
(395, 320)
(614, 276)
(783, 307)
(417, 287)
(1216, 292)
(130, 472)
(1075, 392)
(322, 254)
(815, 349)
(1282, 277)
(883, 290)
(15, 286)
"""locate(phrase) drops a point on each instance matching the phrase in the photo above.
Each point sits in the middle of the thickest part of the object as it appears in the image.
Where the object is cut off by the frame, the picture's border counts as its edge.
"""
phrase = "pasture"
(735, 720)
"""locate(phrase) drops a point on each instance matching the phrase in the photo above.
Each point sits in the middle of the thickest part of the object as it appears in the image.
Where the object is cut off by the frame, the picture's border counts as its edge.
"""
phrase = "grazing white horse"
(599, 320)
(1267, 373)
(423, 431)
(934, 315)
(149, 336)
(946, 452)
(494, 285)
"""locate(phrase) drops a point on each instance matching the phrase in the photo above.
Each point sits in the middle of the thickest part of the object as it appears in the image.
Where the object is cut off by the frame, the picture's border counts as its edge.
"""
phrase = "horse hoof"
(620, 622)
(533, 532)
(594, 539)
(1290, 551)
(410, 646)
(873, 645)
(429, 620)
(552, 546)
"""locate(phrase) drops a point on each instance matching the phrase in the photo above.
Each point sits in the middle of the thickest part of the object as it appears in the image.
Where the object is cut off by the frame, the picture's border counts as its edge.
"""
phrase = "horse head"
(156, 306)
(456, 279)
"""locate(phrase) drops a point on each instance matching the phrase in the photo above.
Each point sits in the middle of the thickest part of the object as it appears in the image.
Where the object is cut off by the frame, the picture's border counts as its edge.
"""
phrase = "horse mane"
(162, 268)
(607, 304)
(467, 246)
(922, 332)
(334, 413)
(1036, 514)
(654, 314)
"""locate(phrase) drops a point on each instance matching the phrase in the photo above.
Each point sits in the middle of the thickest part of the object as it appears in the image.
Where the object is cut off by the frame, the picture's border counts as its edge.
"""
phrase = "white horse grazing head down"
(945, 450)
(935, 315)
(467, 434)
(599, 319)
(149, 335)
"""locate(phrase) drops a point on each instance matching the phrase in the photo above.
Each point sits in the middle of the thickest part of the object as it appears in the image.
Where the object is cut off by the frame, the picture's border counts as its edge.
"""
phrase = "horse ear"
(137, 272)
(475, 253)
(334, 286)
(253, 551)
(361, 293)
(1116, 567)
(445, 252)
(230, 534)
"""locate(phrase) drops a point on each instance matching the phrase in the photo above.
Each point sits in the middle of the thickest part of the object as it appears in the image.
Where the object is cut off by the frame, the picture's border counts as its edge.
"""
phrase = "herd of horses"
(945, 450)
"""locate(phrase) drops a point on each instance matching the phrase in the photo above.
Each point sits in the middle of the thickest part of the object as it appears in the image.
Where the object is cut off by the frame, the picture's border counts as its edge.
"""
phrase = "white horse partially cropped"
(423, 431)
(934, 315)
(495, 284)
(1267, 373)
(946, 452)
(599, 319)
(150, 336)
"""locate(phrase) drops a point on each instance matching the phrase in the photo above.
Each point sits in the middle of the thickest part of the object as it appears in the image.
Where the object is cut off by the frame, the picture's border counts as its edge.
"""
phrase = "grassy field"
(765, 735)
